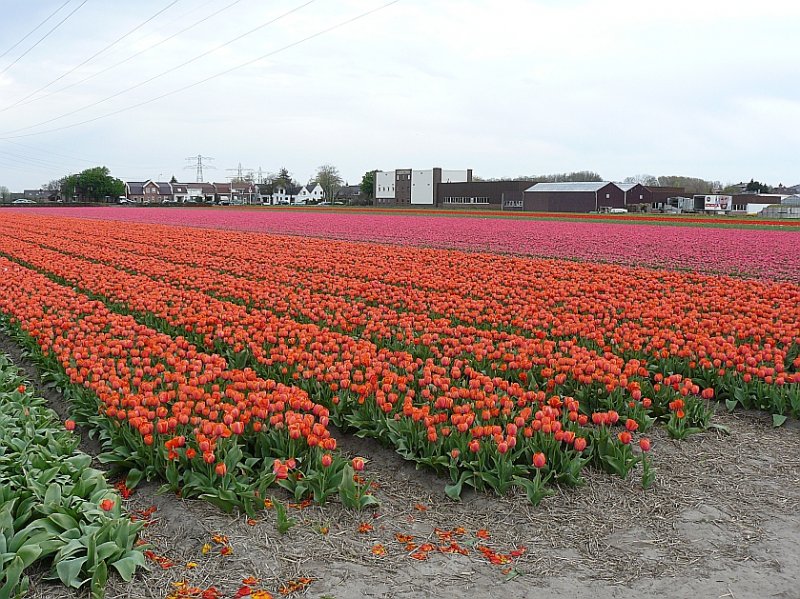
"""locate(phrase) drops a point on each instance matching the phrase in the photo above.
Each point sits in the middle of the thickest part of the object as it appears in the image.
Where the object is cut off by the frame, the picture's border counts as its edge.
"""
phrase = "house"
(415, 187)
(312, 192)
(37, 195)
(573, 197)
(283, 194)
(222, 192)
(200, 192)
(134, 191)
(497, 195)
(348, 194)
(243, 192)
(154, 192)
(180, 192)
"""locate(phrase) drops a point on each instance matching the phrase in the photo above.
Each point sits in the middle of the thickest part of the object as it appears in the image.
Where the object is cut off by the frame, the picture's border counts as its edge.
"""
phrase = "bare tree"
(643, 179)
(329, 179)
(5, 195)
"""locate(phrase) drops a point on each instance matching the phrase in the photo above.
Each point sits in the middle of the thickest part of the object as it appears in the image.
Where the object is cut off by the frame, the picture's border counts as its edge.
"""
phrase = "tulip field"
(227, 360)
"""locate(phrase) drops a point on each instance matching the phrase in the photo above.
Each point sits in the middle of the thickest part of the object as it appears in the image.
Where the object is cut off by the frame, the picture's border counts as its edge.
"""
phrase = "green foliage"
(50, 500)
(368, 185)
(283, 522)
(581, 176)
(92, 184)
(690, 184)
(758, 187)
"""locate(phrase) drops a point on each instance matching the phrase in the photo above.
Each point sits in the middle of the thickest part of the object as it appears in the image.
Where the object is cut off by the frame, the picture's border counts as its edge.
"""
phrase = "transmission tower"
(241, 173)
(198, 164)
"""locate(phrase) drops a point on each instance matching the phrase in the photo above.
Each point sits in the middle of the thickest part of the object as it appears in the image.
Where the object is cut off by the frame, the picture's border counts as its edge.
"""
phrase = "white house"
(312, 192)
(282, 194)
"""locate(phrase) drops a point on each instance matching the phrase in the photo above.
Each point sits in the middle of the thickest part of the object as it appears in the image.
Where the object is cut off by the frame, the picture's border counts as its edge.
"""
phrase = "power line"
(40, 150)
(92, 57)
(168, 71)
(32, 31)
(210, 78)
(132, 56)
(45, 36)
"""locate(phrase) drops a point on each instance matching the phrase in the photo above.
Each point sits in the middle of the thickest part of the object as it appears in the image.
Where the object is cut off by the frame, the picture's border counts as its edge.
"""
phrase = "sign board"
(719, 203)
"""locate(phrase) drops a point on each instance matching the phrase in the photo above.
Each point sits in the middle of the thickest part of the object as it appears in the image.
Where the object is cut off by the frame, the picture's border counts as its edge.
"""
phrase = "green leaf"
(126, 566)
(731, 404)
(133, 478)
(12, 574)
(64, 521)
(778, 420)
(719, 427)
(53, 495)
(29, 554)
(99, 579)
(453, 491)
(69, 571)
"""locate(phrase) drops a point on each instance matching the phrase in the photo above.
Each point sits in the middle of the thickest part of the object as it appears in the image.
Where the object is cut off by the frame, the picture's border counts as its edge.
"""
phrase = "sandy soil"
(721, 521)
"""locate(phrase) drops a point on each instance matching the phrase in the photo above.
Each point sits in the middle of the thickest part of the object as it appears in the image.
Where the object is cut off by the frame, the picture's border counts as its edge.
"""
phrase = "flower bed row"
(55, 510)
(164, 408)
(759, 253)
(485, 430)
(685, 324)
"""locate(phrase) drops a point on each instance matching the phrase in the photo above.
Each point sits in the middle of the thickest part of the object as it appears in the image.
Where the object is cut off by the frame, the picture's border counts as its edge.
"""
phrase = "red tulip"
(107, 504)
(69, 425)
(539, 460)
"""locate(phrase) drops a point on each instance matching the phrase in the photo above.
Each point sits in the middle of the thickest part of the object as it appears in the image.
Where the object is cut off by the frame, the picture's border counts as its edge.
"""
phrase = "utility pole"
(198, 164)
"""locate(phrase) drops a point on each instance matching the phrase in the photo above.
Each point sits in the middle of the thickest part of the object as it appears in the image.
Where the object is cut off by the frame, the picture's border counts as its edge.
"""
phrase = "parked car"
(23, 201)
(126, 201)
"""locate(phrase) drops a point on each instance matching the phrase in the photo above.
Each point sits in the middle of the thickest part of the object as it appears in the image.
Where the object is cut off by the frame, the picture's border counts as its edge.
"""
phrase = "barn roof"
(571, 186)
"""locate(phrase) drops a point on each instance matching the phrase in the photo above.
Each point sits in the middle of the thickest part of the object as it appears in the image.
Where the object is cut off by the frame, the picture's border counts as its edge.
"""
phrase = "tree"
(642, 179)
(5, 195)
(368, 185)
(576, 176)
(92, 184)
(757, 187)
(689, 184)
(329, 179)
(173, 180)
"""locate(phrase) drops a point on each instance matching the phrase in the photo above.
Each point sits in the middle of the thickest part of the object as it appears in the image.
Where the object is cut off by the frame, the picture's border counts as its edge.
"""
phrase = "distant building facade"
(573, 197)
(493, 195)
(415, 187)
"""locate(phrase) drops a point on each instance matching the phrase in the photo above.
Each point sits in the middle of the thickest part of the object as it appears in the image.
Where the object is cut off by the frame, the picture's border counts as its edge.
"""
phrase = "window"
(608, 195)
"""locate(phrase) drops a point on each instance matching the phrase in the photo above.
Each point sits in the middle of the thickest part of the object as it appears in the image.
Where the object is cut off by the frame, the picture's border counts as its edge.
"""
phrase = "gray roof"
(572, 186)
(135, 187)
(626, 186)
(791, 200)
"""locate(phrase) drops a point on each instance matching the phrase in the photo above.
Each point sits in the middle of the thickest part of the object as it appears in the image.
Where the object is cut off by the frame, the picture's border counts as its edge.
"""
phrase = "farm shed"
(573, 197)
(636, 193)
(506, 195)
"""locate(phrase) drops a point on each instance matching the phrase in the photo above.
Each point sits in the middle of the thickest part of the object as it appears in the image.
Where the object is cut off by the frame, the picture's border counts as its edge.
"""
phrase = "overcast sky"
(700, 88)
